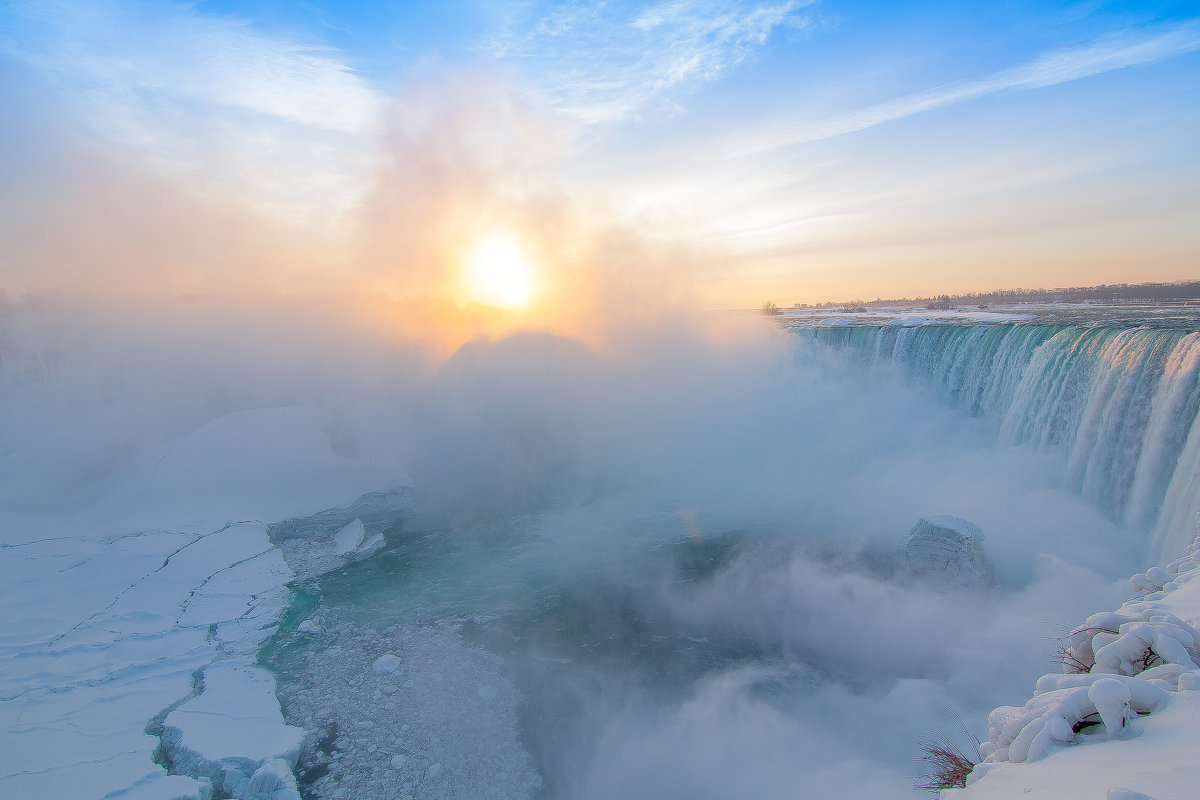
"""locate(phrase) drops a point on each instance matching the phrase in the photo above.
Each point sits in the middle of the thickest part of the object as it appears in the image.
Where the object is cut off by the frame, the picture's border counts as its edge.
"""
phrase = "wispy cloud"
(1111, 52)
(202, 91)
(606, 62)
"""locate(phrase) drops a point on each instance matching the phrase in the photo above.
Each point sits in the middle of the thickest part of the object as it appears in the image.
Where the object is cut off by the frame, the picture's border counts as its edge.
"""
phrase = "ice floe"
(139, 616)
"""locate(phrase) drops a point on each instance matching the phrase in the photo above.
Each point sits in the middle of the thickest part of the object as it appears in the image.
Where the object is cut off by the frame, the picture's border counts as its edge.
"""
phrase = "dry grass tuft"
(946, 766)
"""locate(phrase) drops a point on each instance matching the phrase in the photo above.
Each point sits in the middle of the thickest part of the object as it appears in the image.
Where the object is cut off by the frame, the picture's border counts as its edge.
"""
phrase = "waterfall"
(1120, 404)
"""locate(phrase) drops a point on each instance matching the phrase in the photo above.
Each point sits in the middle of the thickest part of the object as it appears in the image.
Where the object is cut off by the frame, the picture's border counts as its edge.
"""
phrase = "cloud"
(287, 121)
(605, 63)
(1108, 53)
(136, 54)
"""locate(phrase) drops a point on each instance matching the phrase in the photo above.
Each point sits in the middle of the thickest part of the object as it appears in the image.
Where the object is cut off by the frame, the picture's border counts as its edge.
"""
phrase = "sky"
(708, 152)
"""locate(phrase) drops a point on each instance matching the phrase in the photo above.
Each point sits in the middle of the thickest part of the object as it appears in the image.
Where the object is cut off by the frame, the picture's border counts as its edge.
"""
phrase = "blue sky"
(796, 150)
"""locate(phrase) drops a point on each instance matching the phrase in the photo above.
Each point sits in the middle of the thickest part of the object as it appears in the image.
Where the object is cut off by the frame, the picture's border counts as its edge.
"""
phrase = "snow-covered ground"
(1122, 721)
(903, 316)
(141, 615)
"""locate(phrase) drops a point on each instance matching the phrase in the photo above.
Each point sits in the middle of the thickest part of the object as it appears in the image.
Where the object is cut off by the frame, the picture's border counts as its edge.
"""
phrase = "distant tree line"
(1105, 293)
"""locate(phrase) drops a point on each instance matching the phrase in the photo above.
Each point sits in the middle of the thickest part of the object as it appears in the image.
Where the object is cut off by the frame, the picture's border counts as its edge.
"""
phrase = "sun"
(497, 272)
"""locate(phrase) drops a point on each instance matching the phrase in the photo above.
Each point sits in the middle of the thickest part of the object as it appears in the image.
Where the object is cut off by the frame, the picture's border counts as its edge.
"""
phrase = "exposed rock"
(945, 553)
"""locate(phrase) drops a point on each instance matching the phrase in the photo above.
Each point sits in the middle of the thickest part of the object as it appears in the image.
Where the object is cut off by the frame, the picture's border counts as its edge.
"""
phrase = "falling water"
(1119, 403)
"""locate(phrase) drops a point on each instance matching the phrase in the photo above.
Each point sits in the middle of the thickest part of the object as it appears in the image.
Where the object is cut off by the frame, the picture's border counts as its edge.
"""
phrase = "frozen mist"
(543, 569)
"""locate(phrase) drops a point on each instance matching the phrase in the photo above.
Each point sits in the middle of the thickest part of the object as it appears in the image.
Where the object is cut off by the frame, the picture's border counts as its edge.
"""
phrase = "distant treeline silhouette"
(1105, 293)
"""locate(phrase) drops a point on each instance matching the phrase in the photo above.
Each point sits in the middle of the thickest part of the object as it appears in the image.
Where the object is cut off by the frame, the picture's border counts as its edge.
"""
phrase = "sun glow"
(498, 273)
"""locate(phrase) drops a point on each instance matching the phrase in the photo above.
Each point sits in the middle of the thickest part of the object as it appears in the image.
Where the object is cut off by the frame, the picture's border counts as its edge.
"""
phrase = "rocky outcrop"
(945, 553)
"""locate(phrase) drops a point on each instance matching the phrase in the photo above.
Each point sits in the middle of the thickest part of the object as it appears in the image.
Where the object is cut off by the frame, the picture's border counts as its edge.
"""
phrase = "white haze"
(829, 467)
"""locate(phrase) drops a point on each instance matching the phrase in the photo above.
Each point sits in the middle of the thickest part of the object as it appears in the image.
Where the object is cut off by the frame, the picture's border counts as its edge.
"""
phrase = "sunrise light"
(497, 272)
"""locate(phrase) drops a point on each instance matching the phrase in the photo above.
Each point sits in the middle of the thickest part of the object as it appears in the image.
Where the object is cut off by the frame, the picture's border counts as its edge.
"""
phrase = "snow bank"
(1127, 692)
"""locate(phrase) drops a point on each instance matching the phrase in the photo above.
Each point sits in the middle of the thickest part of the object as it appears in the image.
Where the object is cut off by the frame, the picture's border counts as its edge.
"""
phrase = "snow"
(1111, 698)
(1121, 793)
(1123, 719)
(116, 615)
(913, 320)
(905, 317)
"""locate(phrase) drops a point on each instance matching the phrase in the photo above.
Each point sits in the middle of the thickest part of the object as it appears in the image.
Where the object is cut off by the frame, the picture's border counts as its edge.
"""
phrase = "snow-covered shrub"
(1140, 636)
(1063, 707)
(1116, 666)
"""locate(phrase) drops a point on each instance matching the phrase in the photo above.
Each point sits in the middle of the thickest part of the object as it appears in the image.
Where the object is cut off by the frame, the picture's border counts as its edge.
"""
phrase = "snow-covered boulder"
(946, 553)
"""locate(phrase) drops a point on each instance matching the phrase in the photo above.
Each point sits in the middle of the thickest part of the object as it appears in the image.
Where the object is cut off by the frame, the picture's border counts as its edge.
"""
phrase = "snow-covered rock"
(945, 552)
(1127, 690)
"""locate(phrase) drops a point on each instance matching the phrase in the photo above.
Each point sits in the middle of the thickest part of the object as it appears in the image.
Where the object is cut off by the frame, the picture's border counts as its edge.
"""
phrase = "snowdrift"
(1123, 717)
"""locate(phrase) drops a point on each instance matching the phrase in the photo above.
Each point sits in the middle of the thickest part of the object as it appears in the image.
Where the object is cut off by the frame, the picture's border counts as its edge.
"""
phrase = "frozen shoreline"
(125, 627)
